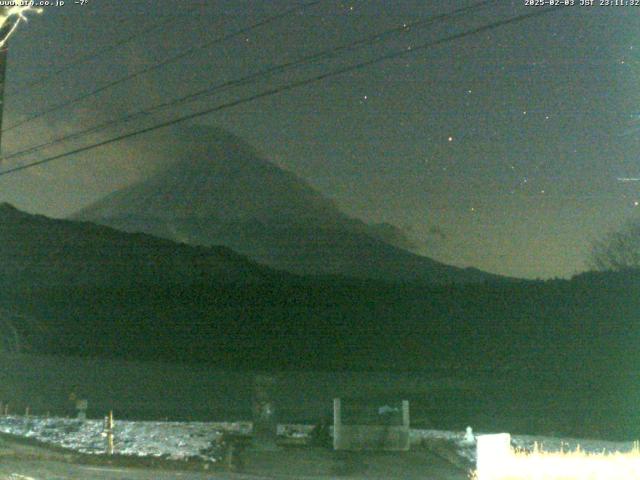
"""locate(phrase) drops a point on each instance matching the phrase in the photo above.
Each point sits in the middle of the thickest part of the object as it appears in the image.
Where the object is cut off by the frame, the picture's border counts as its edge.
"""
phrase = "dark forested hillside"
(37, 251)
(557, 351)
(589, 323)
(74, 288)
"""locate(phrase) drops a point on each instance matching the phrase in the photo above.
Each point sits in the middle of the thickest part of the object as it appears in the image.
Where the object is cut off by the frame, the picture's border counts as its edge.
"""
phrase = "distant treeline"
(587, 323)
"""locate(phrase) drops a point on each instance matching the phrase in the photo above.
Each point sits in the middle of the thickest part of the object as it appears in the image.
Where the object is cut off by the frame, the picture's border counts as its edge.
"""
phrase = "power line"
(163, 63)
(369, 40)
(101, 51)
(285, 88)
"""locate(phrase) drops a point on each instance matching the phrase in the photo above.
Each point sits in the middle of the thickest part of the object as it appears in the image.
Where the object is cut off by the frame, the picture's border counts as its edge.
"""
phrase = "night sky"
(502, 150)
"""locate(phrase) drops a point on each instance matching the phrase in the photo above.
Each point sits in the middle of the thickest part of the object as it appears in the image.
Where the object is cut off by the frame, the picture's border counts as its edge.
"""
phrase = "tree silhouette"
(618, 250)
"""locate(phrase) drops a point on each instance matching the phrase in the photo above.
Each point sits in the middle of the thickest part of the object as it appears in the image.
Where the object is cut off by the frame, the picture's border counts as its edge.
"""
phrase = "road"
(15, 469)
(386, 467)
(24, 459)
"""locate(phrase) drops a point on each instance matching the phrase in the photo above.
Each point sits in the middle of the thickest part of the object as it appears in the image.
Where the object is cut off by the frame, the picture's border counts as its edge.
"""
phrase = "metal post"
(405, 414)
(264, 412)
(81, 406)
(3, 68)
(337, 423)
(108, 432)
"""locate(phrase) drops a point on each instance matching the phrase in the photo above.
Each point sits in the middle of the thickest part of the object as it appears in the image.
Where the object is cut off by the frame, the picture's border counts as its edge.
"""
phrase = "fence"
(358, 426)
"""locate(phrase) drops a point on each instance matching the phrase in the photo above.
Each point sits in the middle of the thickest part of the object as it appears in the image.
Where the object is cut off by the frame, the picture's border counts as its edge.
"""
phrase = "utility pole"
(10, 17)
(4, 55)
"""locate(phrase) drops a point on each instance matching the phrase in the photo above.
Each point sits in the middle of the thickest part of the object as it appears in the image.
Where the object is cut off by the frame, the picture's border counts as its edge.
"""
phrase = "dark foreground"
(408, 468)
(30, 462)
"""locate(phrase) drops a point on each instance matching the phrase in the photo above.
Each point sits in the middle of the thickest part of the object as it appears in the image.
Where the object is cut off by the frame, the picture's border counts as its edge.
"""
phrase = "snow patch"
(185, 440)
(173, 440)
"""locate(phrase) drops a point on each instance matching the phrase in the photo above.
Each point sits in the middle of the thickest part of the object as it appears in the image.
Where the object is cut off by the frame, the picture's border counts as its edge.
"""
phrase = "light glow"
(576, 465)
(18, 14)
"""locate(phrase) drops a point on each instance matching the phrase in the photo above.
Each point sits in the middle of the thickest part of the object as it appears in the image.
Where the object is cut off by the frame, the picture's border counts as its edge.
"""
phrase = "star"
(450, 139)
